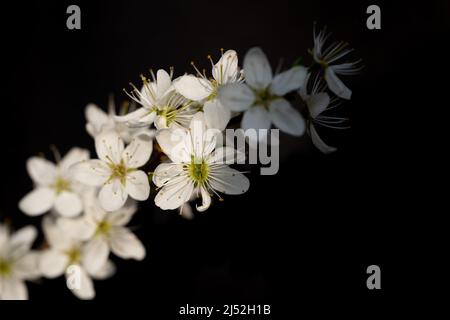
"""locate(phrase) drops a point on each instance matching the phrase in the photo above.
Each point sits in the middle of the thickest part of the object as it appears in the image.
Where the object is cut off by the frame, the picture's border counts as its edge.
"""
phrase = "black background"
(300, 240)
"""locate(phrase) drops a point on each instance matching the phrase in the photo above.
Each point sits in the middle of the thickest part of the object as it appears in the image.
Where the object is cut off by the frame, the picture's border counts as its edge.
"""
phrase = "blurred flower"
(160, 102)
(328, 58)
(55, 186)
(318, 102)
(261, 97)
(195, 168)
(105, 232)
(67, 255)
(200, 88)
(17, 262)
(98, 120)
(116, 169)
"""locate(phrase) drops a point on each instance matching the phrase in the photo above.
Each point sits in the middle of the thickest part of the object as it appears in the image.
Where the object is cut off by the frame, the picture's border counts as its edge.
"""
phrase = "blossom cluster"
(167, 144)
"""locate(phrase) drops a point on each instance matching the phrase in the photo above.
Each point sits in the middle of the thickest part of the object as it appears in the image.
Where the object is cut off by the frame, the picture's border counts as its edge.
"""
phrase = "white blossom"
(69, 256)
(17, 262)
(161, 104)
(55, 186)
(116, 170)
(98, 121)
(204, 90)
(105, 232)
(195, 167)
(328, 59)
(317, 102)
(261, 96)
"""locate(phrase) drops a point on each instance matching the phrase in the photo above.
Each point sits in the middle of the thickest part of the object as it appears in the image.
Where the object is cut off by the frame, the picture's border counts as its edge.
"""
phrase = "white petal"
(176, 192)
(13, 289)
(206, 200)
(163, 82)
(23, 237)
(226, 69)
(95, 254)
(105, 272)
(186, 211)
(109, 146)
(96, 117)
(125, 244)
(38, 201)
(42, 171)
(286, 118)
(318, 142)
(228, 181)
(141, 116)
(80, 228)
(112, 195)
(217, 115)
(55, 236)
(4, 238)
(226, 155)
(165, 172)
(91, 172)
(27, 266)
(256, 118)
(53, 263)
(236, 96)
(336, 85)
(75, 155)
(122, 216)
(317, 103)
(257, 70)
(202, 141)
(68, 204)
(138, 152)
(85, 291)
(193, 88)
(171, 142)
(289, 80)
(137, 185)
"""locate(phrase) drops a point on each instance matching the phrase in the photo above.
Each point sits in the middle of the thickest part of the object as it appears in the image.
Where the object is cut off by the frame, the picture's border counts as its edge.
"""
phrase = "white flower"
(116, 169)
(55, 186)
(161, 104)
(204, 90)
(106, 232)
(196, 168)
(328, 58)
(261, 97)
(17, 262)
(98, 120)
(318, 102)
(68, 256)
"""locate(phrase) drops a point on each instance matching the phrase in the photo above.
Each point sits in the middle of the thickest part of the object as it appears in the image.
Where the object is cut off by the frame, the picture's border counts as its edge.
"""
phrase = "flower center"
(215, 86)
(198, 171)
(61, 185)
(119, 171)
(5, 268)
(103, 228)
(168, 113)
(263, 98)
(74, 255)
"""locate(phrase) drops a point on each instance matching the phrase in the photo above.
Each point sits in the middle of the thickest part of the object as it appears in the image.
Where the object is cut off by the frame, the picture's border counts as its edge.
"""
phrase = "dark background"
(300, 240)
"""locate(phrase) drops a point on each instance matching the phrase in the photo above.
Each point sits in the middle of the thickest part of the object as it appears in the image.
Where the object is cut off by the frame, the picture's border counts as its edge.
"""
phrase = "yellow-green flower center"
(119, 171)
(61, 185)
(5, 268)
(167, 113)
(74, 255)
(103, 228)
(198, 171)
(215, 87)
(263, 98)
